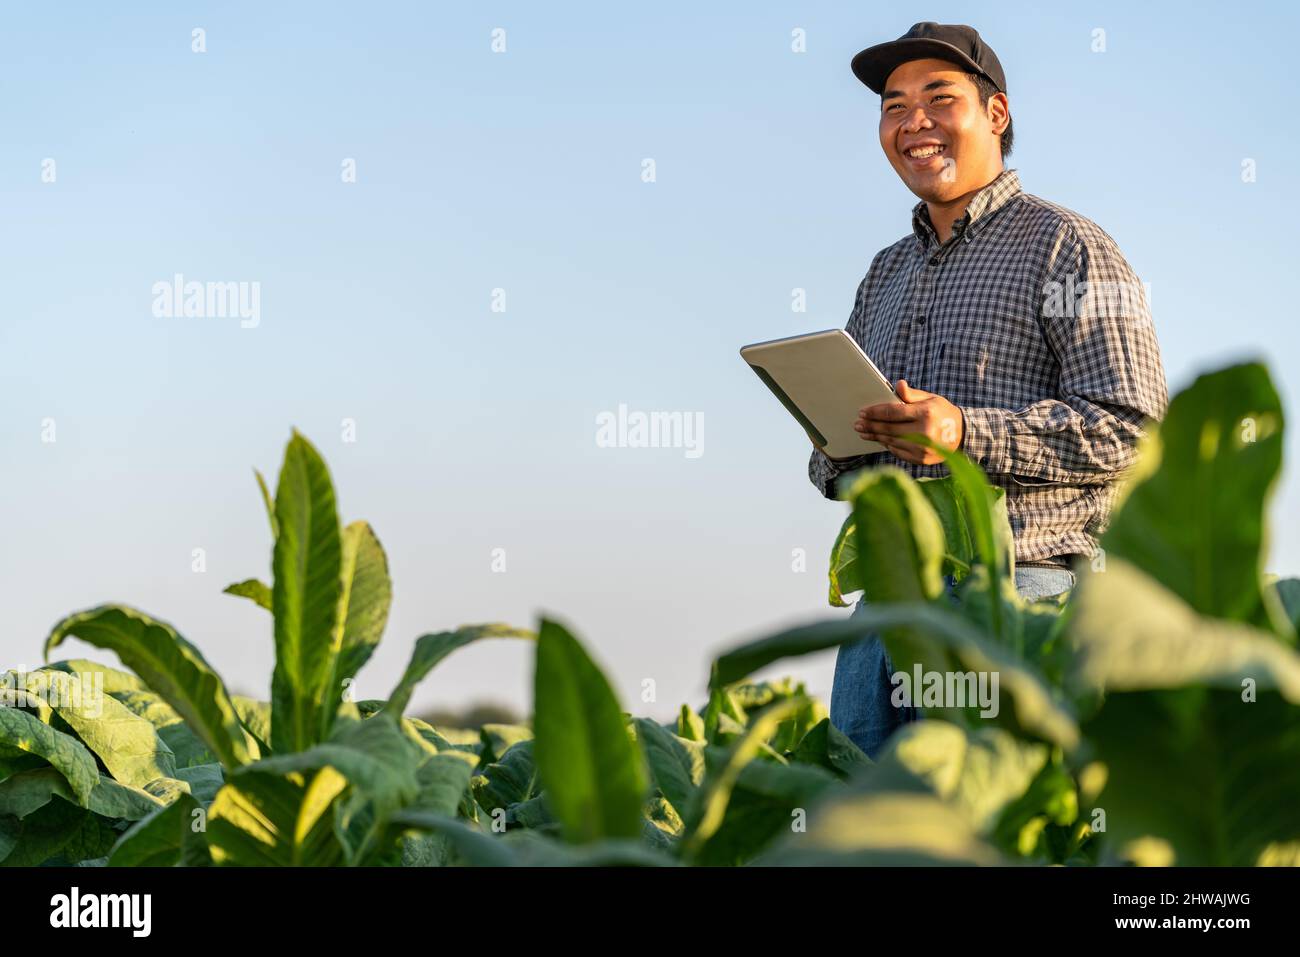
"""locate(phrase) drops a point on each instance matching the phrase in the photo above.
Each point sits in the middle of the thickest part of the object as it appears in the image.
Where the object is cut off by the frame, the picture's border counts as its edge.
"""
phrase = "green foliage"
(900, 538)
(258, 592)
(169, 836)
(431, 649)
(367, 593)
(1195, 519)
(305, 597)
(1214, 775)
(1151, 715)
(592, 770)
(169, 665)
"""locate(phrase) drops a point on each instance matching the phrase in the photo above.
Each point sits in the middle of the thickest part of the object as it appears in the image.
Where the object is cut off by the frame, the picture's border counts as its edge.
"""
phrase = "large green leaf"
(883, 828)
(114, 679)
(431, 649)
(27, 791)
(828, 747)
(269, 819)
(902, 543)
(23, 732)
(917, 805)
(255, 717)
(592, 770)
(676, 764)
(509, 781)
(949, 505)
(126, 744)
(364, 601)
(1193, 516)
(305, 595)
(149, 706)
(375, 757)
(443, 780)
(187, 747)
(1029, 629)
(429, 739)
(900, 539)
(116, 801)
(845, 576)
(983, 510)
(981, 772)
(1200, 725)
(533, 813)
(204, 780)
(1132, 633)
(170, 665)
(57, 832)
(363, 606)
(171, 836)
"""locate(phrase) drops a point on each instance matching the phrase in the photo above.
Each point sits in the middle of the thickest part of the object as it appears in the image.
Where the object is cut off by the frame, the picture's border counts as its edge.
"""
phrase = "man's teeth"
(921, 152)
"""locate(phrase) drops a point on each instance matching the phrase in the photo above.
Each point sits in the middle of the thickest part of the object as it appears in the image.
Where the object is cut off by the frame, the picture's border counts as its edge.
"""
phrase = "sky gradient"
(476, 429)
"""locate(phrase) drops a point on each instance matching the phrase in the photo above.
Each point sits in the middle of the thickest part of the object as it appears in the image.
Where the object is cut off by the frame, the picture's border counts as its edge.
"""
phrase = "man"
(1013, 327)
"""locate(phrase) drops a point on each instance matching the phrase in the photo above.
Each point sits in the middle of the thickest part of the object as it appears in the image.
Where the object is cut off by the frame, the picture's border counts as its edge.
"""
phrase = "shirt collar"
(979, 211)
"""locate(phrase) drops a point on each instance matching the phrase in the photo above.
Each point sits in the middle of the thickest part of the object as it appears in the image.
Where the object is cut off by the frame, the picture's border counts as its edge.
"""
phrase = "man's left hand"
(920, 411)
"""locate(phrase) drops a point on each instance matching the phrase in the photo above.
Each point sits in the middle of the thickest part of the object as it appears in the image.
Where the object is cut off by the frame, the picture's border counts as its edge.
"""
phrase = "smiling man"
(1013, 327)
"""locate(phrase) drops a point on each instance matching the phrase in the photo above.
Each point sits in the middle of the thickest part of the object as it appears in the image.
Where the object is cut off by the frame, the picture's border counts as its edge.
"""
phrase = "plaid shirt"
(1056, 380)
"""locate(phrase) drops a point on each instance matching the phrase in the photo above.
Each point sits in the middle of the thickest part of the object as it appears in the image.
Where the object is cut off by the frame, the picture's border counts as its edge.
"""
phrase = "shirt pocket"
(994, 353)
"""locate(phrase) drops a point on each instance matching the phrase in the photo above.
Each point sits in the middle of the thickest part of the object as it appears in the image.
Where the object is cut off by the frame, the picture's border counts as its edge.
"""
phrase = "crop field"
(1149, 716)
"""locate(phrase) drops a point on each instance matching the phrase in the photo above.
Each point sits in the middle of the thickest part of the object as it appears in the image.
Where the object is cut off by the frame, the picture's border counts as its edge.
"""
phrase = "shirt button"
(920, 320)
(934, 260)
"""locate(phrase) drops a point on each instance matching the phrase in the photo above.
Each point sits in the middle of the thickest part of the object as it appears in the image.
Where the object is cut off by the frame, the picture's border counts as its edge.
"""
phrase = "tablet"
(823, 379)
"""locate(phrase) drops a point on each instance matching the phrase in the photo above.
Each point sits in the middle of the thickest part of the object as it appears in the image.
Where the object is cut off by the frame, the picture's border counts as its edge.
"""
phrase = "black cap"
(954, 42)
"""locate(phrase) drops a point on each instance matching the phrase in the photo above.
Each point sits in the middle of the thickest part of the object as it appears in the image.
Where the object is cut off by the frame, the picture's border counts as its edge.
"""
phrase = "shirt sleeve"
(1096, 320)
(823, 471)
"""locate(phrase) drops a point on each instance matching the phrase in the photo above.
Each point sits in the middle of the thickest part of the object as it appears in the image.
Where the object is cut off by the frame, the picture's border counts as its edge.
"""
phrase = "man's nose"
(918, 119)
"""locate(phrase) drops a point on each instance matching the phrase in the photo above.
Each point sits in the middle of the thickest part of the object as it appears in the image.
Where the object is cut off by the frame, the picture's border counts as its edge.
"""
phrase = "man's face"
(933, 107)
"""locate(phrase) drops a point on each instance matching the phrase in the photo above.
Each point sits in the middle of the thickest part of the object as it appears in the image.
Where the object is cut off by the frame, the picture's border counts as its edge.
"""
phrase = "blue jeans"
(860, 705)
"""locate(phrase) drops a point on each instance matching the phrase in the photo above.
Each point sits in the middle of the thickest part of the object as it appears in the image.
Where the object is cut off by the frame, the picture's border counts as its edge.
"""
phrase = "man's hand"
(920, 411)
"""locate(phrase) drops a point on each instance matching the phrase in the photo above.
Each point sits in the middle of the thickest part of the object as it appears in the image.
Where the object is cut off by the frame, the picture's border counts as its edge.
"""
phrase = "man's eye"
(944, 96)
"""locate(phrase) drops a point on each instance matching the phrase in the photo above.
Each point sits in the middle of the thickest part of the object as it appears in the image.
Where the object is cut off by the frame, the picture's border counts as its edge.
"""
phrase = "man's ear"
(999, 113)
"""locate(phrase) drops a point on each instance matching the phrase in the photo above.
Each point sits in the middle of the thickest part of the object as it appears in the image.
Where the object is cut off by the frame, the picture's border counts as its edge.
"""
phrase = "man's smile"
(925, 154)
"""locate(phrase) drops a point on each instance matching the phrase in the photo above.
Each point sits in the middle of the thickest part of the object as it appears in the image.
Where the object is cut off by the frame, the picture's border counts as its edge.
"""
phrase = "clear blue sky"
(522, 171)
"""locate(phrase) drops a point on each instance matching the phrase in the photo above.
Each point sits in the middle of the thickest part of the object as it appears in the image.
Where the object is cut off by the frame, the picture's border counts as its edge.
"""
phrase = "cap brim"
(874, 64)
